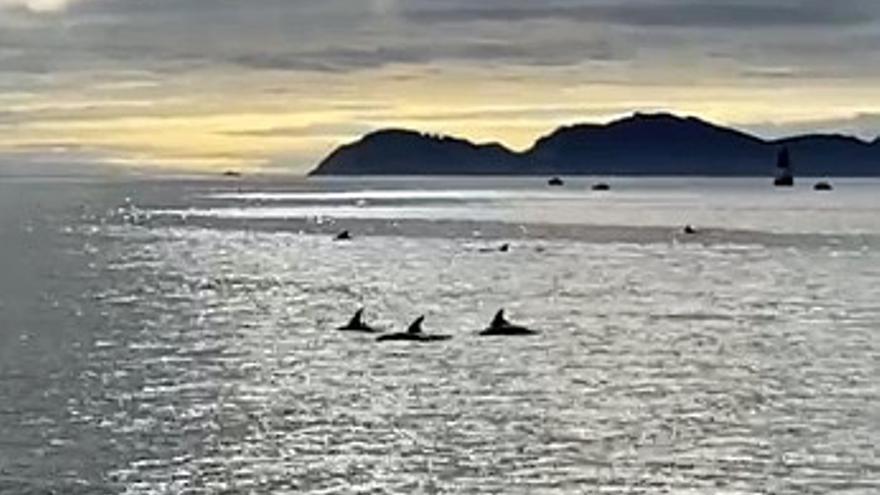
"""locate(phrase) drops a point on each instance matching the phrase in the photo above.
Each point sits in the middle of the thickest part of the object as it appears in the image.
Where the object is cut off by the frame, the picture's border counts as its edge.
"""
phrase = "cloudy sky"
(279, 83)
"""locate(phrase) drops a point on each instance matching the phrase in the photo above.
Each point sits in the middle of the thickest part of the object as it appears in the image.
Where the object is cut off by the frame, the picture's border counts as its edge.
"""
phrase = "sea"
(177, 335)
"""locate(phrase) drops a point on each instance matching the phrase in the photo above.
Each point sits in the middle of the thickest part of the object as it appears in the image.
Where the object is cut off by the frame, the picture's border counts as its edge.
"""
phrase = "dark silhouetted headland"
(643, 144)
(401, 152)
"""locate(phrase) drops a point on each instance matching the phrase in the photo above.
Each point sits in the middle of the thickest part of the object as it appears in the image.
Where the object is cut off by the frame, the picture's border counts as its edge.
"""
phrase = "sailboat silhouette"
(784, 174)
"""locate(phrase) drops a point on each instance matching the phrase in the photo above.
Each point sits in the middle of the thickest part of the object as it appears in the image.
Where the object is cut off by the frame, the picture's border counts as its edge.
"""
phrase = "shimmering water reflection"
(696, 369)
(144, 352)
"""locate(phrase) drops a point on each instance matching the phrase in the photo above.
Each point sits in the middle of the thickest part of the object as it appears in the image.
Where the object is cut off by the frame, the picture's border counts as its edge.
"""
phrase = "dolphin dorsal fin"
(416, 326)
(499, 321)
(357, 321)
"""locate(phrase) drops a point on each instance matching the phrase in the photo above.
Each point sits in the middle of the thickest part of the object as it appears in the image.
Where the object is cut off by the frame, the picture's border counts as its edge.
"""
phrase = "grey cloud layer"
(732, 14)
(777, 36)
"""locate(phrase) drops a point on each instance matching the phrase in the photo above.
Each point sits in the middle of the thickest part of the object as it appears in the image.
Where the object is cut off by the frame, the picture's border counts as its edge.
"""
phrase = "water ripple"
(661, 368)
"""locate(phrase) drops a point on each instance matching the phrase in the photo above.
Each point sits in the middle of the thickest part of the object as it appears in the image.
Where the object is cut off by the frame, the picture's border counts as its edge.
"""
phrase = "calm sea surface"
(177, 336)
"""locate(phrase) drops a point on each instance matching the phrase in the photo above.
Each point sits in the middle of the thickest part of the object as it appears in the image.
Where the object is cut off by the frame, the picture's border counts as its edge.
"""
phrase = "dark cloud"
(342, 59)
(332, 59)
(670, 13)
(170, 36)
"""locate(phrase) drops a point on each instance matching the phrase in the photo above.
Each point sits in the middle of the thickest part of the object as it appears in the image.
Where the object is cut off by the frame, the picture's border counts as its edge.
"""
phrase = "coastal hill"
(642, 144)
(401, 152)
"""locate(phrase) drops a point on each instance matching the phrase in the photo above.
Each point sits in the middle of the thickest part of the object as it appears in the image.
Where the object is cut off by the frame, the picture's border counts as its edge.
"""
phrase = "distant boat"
(823, 186)
(784, 174)
(555, 181)
(601, 186)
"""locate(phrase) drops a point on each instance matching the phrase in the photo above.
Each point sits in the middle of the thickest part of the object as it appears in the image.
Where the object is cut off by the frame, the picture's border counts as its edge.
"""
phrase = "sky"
(277, 84)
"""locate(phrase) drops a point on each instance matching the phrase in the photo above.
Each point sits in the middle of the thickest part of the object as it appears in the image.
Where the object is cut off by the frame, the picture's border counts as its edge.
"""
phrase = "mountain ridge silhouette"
(661, 144)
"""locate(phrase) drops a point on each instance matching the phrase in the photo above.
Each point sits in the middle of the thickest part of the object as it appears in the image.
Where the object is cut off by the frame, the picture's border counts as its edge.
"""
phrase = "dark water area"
(177, 336)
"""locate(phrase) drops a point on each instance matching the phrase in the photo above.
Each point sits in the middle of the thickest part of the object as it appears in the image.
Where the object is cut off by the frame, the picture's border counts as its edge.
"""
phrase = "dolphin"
(357, 324)
(343, 236)
(501, 327)
(413, 334)
(504, 248)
